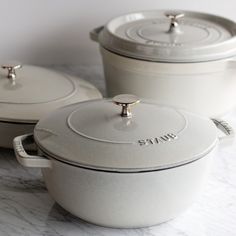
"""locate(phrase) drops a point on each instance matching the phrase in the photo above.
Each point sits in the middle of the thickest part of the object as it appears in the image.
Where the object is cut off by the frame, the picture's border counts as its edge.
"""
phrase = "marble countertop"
(26, 209)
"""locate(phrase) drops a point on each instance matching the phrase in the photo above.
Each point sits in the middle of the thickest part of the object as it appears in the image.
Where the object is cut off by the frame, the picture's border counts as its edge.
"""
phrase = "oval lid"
(29, 92)
(170, 36)
(94, 134)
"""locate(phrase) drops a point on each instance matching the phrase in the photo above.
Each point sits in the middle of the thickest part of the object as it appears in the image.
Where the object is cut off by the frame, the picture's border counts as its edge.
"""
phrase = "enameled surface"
(148, 35)
(153, 29)
(37, 91)
(26, 209)
(206, 88)
(31, 82)
(106, 140)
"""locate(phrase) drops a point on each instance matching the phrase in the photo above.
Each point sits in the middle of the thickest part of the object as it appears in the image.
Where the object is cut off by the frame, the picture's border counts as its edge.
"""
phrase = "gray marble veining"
(26, 209)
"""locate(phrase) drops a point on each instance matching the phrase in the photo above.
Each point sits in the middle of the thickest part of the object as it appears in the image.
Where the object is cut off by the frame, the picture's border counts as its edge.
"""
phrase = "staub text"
(157, 140)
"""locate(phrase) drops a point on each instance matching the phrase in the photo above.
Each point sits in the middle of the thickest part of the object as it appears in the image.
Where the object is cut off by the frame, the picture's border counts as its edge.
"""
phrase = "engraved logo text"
(157, 140)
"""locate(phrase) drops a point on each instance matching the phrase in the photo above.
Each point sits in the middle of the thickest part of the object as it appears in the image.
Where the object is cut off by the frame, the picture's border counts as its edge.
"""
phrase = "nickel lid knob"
(11, 67)
(174, 23)
(126, 101)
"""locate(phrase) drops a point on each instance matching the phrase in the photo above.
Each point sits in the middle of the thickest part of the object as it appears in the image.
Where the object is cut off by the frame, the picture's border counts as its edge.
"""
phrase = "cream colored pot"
(135, 168)
(27, 93)
(183, 59)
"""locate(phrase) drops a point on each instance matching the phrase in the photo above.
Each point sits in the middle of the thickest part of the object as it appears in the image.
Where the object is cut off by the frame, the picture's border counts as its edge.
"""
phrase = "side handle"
(95, 33)
(225, 128)
(26, 159)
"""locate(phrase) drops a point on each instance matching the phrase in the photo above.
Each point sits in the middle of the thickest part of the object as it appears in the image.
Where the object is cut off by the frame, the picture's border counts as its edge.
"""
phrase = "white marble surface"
(26, 209)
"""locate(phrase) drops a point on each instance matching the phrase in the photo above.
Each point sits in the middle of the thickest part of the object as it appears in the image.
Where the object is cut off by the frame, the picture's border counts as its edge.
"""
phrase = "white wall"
(57, 31)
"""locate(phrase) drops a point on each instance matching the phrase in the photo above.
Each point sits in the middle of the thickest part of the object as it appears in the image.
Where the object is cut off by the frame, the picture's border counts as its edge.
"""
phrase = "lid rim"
(211, 51)
(123, 170)
(184, 137)
(187, 61)
(19, 122)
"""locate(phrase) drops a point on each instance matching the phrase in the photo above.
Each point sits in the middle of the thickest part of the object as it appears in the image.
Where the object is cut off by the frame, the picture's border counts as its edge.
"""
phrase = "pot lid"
(29, 92)
(96, 134)
(170, 36)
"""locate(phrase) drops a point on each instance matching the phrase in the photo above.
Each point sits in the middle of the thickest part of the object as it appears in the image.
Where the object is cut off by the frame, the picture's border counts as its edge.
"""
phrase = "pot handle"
(225, 128)
(24, 158)
(95, 33)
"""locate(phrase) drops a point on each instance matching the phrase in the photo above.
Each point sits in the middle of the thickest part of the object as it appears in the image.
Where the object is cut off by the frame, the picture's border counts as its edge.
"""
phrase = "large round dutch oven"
(179, 58)
(135, 168)
(27, 93)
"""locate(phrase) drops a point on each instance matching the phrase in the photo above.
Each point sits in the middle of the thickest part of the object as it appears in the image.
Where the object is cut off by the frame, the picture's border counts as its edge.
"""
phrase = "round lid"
(172, 36)
(29, 92)
(119, 135)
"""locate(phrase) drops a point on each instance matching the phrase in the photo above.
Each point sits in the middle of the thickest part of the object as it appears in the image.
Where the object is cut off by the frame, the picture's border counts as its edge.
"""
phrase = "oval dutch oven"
(27, 93)
(184, 59)
(123, 169)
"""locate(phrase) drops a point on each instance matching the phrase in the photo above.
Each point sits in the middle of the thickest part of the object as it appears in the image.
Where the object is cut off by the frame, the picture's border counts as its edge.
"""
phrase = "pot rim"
(232, 57)
(43, 159)
(19, 122)
(120, 170)
(225, 49)
(57, 137)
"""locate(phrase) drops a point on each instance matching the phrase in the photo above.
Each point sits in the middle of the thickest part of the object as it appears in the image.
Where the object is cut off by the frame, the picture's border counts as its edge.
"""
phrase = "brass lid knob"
(126, 101)
(11, 70)
(174, 23)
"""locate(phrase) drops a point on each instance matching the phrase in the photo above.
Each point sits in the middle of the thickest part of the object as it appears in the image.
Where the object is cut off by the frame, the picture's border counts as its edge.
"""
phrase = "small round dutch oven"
(27, 93)
(129, 168)
(179, 58)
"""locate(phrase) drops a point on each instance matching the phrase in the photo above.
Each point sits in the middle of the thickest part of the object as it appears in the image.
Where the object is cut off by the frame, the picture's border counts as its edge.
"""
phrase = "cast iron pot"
(123, 169)
(179, 58)
(27, 93)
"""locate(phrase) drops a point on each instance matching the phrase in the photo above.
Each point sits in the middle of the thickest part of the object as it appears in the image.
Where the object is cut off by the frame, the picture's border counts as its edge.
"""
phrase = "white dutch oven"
(129, 169)
(31, 92)
(183, 59)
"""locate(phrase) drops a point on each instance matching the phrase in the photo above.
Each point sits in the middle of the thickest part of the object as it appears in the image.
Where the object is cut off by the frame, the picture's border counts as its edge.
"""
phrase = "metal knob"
(174, 23)
(126, 101)
(11, 70)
